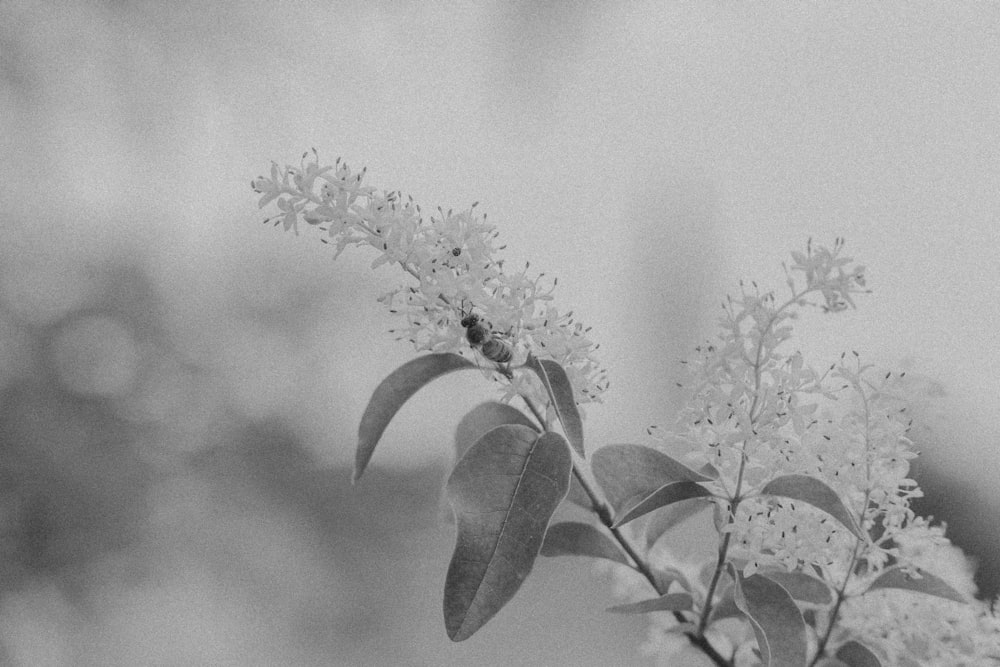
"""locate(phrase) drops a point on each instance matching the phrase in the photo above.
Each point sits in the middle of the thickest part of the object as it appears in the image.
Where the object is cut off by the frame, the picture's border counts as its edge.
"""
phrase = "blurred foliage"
(147, 521)
(970, 516)
(110, 491)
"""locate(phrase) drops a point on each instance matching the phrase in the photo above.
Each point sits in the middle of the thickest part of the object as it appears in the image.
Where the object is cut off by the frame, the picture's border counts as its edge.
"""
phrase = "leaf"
(390, 395)
(896, 577)
(665, 576)
(473, 426)
(725, 607)
(816, 493)
(670, 516)
(484, 417)
(854, 654)
(777, 622)
(503, 492)
(560, 391)
(668, 602)
(665, 495)
(629, 474)
(709, 470)
(573, 538)
(491, 414)
(801, 586)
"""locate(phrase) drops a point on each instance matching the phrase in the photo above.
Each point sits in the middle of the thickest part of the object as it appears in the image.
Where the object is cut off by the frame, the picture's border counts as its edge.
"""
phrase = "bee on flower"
(452, 257)
(481, 337)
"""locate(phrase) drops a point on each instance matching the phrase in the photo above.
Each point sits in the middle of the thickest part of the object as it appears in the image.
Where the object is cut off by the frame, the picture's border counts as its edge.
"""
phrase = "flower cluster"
(754, 415)
(923, 631)
(758, 412)
(453, 260)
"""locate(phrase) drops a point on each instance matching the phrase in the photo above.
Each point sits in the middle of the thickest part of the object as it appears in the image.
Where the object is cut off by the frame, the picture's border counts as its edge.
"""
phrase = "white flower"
(758, 412)
(452, 258)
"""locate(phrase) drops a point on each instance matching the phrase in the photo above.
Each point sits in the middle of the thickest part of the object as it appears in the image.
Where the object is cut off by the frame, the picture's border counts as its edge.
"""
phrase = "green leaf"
(560, 392)
(390, 395)
(503, 492)
(801, 586)
(475, 424)
(670, 516)
(709, 470)
(668, 602)
(896, 577)
(573, 538)
(491, 414)
(816, 493)
(777, 622)
(725, 607)
(628, 474)
(665, 495)
(854, 654)
(665, 576)
(485, 417)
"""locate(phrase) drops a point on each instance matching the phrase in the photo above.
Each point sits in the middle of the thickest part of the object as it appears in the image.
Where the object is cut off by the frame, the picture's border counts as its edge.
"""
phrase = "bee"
(481, 337)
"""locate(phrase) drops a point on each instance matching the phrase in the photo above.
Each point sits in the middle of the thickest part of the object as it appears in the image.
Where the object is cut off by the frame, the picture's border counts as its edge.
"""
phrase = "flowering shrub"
(819, 559)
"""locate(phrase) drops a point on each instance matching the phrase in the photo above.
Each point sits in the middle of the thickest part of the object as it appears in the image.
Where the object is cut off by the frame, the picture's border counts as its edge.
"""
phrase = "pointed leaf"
(629, 474)
(777, 622)
(560, 392)
(503, 491)
(491, 414)
(668, 602)
(854, 654)
(665, 576)
(816, 493)
(896, 577)
(573, 538)
(725, 607)
(665, 495)
(485, 417)
(801, 586)
(671, 516)
(709, 470)
(474, 425)
(392, 393)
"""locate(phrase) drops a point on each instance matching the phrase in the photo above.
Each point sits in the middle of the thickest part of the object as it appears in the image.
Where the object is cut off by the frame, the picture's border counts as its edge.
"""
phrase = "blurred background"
(181, 385)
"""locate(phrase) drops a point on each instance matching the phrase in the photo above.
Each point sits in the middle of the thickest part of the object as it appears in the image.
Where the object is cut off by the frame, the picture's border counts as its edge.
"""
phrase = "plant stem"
(534, 410)
(734, 501)
(605, 515)
(821, 644)
(719, 567)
